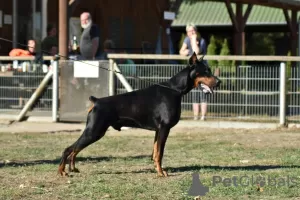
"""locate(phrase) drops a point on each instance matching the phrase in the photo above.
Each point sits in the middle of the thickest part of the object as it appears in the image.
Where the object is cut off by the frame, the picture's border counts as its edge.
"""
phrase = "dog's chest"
(168, 111)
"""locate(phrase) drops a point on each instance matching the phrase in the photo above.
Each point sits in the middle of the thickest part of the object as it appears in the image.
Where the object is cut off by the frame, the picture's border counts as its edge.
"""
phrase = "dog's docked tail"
(92, 99)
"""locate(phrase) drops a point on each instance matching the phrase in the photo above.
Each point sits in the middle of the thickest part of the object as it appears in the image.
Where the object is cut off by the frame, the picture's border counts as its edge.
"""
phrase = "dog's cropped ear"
(193, 59)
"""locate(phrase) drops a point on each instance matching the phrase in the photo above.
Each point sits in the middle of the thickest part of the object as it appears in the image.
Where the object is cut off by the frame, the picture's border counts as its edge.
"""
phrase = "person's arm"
(184, 51)
(19, 52)
(195, 44)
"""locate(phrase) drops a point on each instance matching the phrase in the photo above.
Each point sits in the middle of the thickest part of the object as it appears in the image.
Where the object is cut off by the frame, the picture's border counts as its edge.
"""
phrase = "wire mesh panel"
(79, 81)
(246, 92)
(17, 84)
(293, 93)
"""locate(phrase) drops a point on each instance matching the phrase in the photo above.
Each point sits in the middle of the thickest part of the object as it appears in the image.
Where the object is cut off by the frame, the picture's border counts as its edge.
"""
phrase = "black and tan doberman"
(156, 108)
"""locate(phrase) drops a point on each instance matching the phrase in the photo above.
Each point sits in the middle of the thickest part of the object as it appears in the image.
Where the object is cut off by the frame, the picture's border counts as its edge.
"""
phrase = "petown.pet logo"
(244, 181)
(198, 189)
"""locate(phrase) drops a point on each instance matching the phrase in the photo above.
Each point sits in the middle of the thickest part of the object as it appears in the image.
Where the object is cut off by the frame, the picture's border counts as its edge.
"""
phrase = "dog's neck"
(181, 82)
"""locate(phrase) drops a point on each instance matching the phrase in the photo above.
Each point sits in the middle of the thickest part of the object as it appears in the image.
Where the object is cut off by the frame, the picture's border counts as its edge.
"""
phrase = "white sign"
(86, 69)
(7, 19)
(169, 15)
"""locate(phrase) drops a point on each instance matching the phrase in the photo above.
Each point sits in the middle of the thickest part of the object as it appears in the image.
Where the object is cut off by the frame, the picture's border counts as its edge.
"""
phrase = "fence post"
(55, 90)
(111, 77)
(122, 79)
(282, 96)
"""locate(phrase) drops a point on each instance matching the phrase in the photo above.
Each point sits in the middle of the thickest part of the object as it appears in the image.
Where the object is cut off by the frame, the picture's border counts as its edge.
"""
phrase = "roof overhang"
(284, 4)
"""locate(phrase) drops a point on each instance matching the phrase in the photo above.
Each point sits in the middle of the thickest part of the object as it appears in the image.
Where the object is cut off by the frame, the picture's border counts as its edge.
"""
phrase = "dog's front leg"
(154, 150)
(160, 146)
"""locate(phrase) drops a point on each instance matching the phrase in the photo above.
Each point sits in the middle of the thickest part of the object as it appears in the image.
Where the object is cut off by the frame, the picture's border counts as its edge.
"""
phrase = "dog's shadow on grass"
(138, 157)
(8, 163)
(228, 168)
(174, 170)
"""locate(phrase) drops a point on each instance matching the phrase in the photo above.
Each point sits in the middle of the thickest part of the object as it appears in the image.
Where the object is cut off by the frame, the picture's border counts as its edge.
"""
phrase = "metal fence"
(293, 94)
(18, 81)
(249, 92)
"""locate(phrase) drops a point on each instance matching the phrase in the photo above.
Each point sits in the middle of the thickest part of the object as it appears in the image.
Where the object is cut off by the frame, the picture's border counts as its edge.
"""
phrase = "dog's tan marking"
(61, 169)
(72, 157)
(209, 81)
(154, 150)
(91, 108)
(157, 161)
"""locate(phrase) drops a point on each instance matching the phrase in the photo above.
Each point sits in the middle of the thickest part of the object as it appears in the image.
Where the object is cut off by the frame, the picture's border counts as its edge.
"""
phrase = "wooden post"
(15, 24)
(63, 29)
(239, 34)
(294, 34)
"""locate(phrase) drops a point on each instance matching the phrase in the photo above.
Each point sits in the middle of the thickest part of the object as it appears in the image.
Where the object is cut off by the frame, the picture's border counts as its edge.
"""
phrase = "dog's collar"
(169, 88)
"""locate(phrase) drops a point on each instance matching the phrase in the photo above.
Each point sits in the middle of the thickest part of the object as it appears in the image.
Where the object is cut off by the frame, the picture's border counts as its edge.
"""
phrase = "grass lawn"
(229, 162)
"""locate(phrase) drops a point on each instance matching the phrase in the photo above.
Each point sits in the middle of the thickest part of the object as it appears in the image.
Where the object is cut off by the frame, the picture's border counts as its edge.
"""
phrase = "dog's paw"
(75, 170)
(63, 173)
(165, 173)
(162, 174)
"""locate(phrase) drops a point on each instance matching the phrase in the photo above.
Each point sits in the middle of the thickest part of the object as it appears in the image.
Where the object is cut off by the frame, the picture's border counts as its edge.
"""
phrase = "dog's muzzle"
(209, 89)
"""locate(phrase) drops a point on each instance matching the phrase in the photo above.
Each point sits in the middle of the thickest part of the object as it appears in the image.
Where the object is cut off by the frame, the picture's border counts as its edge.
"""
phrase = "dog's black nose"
(218, 82)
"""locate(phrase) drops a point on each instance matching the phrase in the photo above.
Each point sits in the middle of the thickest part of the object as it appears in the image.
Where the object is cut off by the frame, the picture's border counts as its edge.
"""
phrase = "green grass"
(119, 166)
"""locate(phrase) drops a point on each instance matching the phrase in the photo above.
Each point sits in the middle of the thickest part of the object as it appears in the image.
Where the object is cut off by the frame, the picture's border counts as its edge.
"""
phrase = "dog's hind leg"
(62, 165)
(88, 137)
(71, 158)
(95, 129)
(161, 141)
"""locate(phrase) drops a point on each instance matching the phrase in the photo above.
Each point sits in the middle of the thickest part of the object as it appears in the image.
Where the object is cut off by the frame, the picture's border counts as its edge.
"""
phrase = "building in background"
(134, 26)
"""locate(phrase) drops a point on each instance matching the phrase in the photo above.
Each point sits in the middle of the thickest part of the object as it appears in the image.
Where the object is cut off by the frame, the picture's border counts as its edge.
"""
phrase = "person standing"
(190, 45)
(90, 38)
(50, 43)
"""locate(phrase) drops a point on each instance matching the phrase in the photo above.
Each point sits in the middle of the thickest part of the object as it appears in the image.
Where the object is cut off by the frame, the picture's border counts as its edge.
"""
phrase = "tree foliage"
(262, 44)
(225, 51)
(212, 50)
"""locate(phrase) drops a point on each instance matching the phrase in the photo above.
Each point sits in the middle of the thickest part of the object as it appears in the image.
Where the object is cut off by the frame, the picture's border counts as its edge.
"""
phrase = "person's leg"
(196, 111)
(203, 110)
(203, 104)
(196, 105)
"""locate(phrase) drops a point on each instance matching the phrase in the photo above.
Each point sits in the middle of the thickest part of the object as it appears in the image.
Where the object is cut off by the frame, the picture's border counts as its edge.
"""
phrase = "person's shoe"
(202, 118)
(196, 118)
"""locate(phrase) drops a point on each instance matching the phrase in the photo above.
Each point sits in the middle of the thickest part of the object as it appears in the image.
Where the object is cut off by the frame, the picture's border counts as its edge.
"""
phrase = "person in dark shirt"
(89, 41)
(50, 43)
